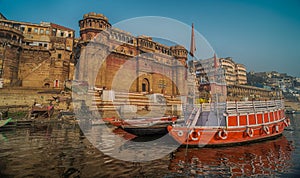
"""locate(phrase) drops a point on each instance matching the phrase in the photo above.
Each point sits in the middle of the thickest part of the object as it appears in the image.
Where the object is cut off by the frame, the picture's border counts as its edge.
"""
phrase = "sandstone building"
(35, 55)
(45, 55)
(116, 60)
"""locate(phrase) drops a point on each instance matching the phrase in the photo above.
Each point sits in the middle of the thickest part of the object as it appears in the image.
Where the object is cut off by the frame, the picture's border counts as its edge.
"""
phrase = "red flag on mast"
(193, 45)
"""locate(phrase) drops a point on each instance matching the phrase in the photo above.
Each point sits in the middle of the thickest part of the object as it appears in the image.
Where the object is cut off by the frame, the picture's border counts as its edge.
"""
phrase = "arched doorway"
(145, 85)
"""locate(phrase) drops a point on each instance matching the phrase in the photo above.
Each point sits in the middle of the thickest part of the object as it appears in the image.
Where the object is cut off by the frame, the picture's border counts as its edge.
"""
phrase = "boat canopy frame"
(216, 114)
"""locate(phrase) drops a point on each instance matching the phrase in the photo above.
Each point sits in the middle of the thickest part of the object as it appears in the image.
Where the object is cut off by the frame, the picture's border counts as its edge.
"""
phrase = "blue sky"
(262, 34)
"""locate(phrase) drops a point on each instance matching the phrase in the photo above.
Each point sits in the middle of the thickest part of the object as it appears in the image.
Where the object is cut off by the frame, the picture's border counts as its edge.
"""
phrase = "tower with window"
(92, 24)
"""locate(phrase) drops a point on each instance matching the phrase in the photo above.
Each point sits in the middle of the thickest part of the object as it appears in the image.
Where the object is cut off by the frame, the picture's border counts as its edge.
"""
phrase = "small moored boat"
(143, 126)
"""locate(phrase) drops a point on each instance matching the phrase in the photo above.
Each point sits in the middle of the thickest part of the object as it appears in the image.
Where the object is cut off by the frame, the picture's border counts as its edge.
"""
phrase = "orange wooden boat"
(212, 124)
(139, 121)
(258, 160)
(113, 121)
(143, 126)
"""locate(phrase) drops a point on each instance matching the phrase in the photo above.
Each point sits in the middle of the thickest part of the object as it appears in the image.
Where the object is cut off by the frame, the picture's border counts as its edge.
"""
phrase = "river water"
(62, 150)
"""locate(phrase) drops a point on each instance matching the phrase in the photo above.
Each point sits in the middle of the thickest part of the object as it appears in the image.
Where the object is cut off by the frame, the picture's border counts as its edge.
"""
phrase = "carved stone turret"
(92, 24)
(180, 53)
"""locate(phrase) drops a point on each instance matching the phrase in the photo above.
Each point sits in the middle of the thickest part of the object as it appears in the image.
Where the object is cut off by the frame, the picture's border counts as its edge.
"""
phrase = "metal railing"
(219, 111)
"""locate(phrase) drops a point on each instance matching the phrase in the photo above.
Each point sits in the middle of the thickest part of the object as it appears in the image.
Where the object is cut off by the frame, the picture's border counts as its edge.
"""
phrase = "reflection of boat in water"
(259, 159)
(231, 123)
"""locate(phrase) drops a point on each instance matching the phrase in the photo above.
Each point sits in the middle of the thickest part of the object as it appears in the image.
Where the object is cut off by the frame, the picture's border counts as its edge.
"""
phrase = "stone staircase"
(128, 105)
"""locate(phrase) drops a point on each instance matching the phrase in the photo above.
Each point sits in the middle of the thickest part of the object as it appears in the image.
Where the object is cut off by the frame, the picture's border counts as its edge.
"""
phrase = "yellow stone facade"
(35, 55)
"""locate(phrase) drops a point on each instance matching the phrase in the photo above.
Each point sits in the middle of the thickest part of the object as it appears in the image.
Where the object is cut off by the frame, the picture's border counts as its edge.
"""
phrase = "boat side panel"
(259, 119)
(265, 116)
(243, 120)
(232, 120)
(232, 136)
(252, 120)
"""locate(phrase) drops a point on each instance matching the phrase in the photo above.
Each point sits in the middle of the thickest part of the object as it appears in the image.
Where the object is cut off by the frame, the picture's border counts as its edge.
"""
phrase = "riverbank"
(293, 105)
(17, 102)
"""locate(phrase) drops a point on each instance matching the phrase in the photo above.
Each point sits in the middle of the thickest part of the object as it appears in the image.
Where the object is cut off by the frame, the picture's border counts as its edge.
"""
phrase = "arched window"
(145, 85)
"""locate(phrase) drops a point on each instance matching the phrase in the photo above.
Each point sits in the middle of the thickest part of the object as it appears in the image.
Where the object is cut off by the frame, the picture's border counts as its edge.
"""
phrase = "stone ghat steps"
(138, 99)
(116, 106)
(122, 97)
(135, 101)
(174, 101)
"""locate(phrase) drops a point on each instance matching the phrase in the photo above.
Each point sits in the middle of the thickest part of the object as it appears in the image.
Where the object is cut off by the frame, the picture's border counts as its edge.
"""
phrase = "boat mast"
(192, 54)
(215, 88)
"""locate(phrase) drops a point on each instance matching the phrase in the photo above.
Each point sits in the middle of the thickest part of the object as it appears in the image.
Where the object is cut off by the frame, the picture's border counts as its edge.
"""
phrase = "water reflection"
(259, 159)
(62, 150)
(136, 149)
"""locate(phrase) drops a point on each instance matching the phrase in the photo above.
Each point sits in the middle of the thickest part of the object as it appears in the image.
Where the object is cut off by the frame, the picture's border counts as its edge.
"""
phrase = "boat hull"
(146, 131)
(207, 136)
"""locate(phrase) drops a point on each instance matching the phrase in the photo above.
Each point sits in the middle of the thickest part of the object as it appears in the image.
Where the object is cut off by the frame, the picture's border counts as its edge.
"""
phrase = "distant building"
(35, 55)
(231, 79)
(235, 73)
